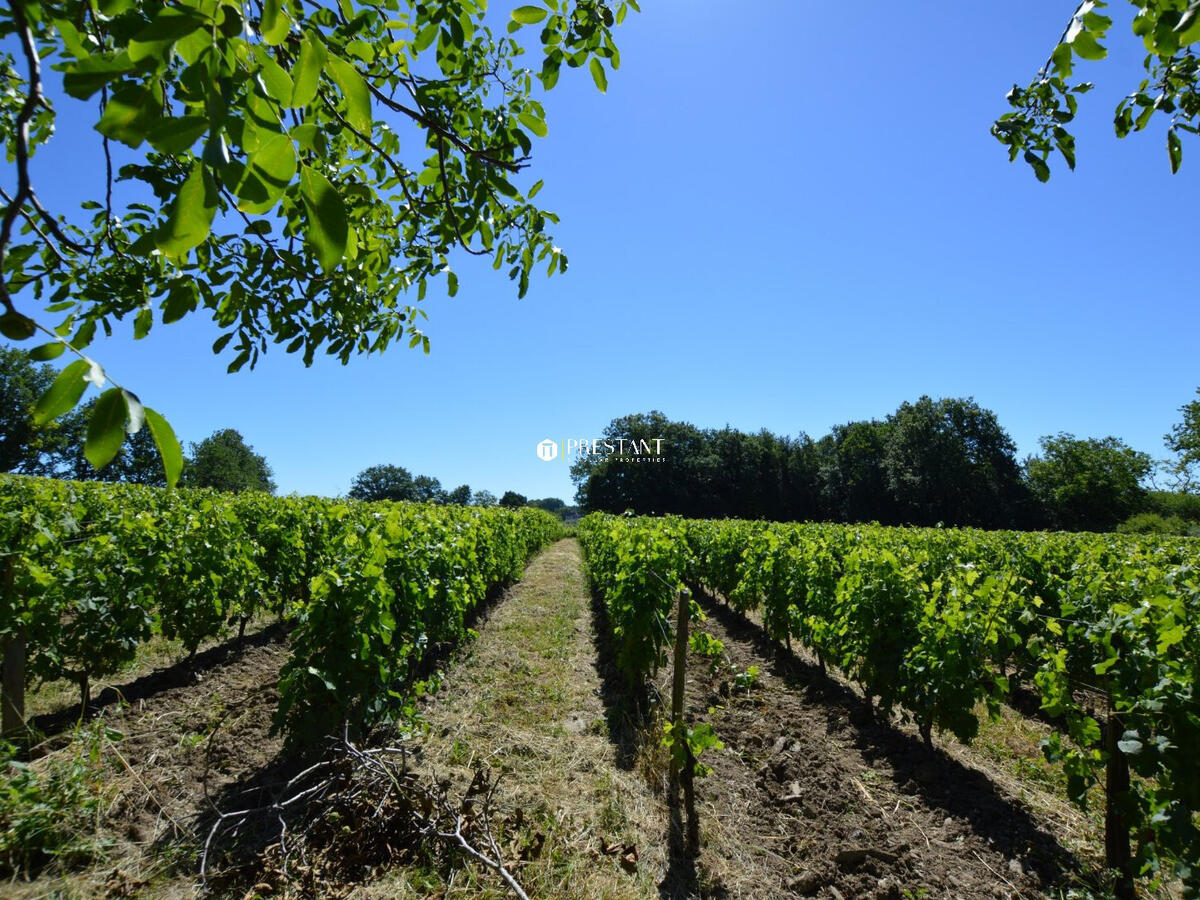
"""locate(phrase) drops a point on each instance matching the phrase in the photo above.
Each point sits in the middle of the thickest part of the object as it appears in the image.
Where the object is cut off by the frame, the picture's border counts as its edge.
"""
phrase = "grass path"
(524, 701)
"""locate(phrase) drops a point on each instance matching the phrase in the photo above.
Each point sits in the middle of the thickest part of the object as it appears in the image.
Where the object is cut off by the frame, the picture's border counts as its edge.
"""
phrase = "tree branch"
(437, 128)
(32, 101)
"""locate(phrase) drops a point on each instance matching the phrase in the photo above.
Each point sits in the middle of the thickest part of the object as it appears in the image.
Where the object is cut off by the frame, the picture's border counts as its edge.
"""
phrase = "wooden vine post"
(1116, 793)
(12, 690)
(686, 777)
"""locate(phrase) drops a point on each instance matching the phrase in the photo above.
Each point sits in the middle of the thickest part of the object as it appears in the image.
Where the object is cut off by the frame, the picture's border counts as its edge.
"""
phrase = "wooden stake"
(12, 690)
(687, 776)
(1116, 789)
(680, 672)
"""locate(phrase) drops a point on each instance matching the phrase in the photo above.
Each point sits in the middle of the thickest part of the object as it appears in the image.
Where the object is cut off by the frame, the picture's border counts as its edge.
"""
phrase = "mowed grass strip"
(523, 703)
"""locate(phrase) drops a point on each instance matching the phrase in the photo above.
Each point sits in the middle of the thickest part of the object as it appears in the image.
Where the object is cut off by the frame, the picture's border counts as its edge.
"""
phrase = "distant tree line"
(392, 482)
(223, 460)
(931, 462)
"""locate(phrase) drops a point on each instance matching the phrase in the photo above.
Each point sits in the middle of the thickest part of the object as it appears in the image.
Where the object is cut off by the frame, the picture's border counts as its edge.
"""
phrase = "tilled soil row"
(814, 796)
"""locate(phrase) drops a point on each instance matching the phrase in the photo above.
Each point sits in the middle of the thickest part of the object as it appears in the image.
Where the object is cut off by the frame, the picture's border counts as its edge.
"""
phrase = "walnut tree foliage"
(297, 170)
(1043, 110)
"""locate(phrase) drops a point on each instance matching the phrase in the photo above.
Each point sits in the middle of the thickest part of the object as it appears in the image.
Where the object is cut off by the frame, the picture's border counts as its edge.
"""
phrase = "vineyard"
(930, 623)
(92, 572)
(1095, 637)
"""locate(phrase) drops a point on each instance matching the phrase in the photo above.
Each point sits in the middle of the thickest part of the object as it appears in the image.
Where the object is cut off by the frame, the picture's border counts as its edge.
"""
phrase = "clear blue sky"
(783, 214)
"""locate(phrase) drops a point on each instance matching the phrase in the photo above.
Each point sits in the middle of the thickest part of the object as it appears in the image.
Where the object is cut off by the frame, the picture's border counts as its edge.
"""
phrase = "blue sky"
(783, 215)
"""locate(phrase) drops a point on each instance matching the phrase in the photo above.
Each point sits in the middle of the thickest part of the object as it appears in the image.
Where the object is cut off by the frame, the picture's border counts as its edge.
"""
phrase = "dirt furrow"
(813, 795)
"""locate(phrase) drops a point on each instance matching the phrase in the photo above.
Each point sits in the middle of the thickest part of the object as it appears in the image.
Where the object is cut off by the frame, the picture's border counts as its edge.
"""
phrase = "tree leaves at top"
(1168, 29)
(311, 164)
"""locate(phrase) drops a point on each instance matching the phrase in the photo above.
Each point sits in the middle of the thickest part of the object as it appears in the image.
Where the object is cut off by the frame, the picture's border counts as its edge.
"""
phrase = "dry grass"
(523, 702)
(157, 653)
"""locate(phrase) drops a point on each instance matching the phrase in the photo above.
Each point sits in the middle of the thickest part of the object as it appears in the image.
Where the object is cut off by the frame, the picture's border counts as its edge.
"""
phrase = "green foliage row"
(98, 569)
(931, 622)
(637, 566)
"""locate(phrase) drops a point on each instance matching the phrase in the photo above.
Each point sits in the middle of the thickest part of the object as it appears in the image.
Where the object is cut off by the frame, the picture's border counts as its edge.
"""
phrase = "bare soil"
(175, 744)
(814, 795)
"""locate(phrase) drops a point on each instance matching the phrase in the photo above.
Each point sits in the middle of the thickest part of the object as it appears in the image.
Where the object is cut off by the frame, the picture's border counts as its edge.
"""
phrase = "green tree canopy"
(225, 461)
(460, 496)
(311, 166)
(950, 461)
(513, 500)
(427, 489)
(1184, 441)
(21, 384)
(854, 484)
(1088, 484)
(483, 498)
(383, 482)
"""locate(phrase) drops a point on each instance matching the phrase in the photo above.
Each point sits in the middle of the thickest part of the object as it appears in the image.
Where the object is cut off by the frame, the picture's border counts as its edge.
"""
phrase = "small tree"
(383, 483)
(513, 500)
(1088, 484)
(427, 489)
(1184, 441)
(460, 496)
(483, 498)
(226, 462)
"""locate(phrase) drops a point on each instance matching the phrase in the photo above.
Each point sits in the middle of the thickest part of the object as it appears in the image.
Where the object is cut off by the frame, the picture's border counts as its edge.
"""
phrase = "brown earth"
(178, 746)
(813, 795)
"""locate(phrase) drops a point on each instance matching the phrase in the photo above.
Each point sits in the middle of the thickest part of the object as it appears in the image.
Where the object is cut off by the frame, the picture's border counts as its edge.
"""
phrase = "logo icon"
(547, 450)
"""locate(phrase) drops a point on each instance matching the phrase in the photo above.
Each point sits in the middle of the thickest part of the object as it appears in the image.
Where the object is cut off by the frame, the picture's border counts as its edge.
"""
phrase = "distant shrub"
(1174, 503)
(1153, 523)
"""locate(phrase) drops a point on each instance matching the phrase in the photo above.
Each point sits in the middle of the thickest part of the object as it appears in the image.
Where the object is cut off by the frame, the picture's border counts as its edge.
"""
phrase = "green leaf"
(326, 226)
(528, 15)
(167, 27)
(1086, 46)
(46, 352)
(1096, 23)
(71, 39)
(181, 300)
(82, 79)
(1174, 150)
(354, 89)
(142, 323)
(135, 413)
(275, 23)
(1189, 26)
(306, 74)
(191, 215)
(129, 114)
(272, 168)
(534, 124)
(17, 327)
(276, 81)
(598, 76)
(451, 283)
(176, 135)
(106, 429)
(167, 444)
(1040, 169)
(63, 394)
